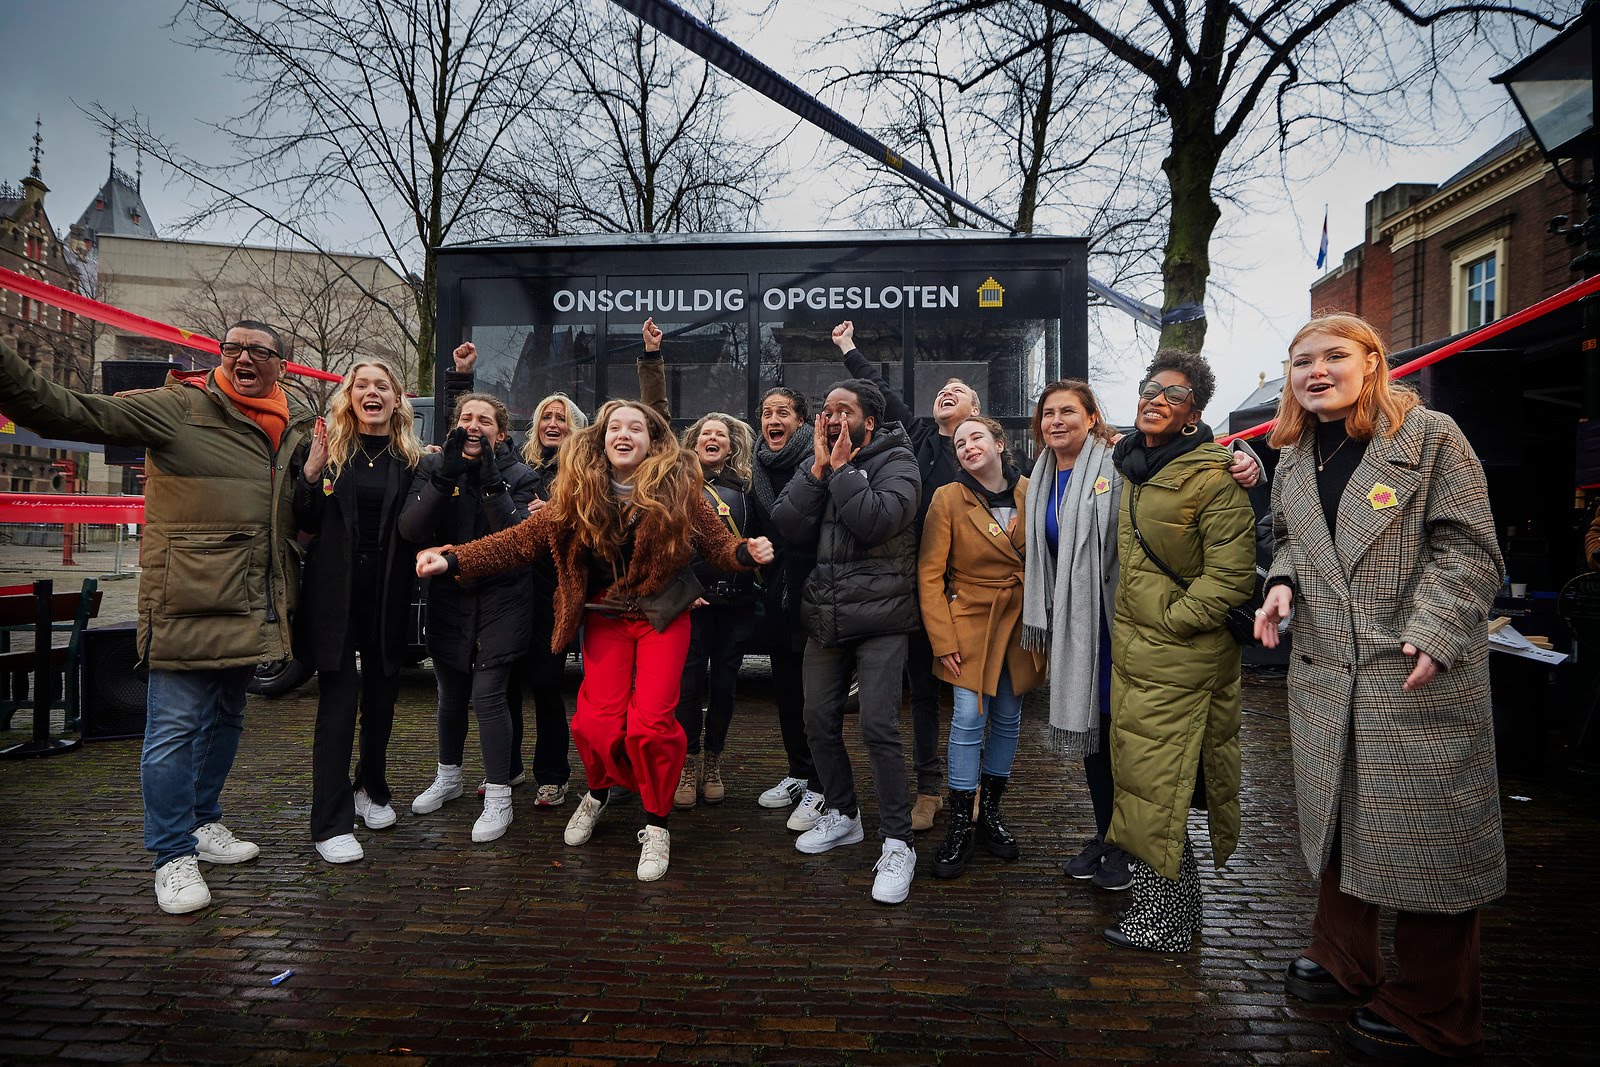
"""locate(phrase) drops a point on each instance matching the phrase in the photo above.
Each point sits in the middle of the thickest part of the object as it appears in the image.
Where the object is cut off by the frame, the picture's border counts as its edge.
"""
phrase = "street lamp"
(1554, 89)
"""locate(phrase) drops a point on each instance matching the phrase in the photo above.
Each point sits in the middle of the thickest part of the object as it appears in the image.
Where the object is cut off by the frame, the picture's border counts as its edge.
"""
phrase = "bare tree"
(1230, 84)
(330, 322)
(392, 109)
(636, 138)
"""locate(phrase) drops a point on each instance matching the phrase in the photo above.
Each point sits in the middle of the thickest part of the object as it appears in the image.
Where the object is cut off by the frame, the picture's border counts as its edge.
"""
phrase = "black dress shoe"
(1372, 1034)
(1311, 982)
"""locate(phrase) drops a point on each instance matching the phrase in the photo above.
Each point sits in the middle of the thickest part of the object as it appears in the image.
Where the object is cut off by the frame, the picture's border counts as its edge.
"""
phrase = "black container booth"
(745, 312)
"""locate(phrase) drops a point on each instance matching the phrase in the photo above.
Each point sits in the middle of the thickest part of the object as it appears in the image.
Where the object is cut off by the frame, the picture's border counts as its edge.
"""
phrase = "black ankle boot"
(957, 848)
(991, 831)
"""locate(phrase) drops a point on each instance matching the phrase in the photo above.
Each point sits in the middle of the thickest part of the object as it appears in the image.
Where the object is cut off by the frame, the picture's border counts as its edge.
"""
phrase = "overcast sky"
(69, 54)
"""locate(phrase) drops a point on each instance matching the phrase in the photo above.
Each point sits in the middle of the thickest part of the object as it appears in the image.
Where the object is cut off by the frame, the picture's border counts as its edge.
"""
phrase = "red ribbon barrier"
(70, 507)
(81, 305)
(1461, 344)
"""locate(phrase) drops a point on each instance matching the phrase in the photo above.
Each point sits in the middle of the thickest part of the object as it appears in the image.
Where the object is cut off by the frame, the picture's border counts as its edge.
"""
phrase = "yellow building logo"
(991, 294)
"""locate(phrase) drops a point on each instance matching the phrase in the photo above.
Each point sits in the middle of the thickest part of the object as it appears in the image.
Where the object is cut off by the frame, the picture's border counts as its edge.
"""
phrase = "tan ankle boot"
(688, 783)
(711, 787)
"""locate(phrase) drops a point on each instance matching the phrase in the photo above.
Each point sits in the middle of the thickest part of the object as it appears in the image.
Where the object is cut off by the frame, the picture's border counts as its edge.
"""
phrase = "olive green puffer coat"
(1174, 668)
(221, 570)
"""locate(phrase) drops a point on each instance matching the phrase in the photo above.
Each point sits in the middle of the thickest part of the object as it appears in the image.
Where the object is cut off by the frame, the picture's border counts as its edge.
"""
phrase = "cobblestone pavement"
(434, 949)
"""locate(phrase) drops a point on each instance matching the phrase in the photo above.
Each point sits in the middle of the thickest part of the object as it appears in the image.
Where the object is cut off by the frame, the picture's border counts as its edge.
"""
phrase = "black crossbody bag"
(1240, 622)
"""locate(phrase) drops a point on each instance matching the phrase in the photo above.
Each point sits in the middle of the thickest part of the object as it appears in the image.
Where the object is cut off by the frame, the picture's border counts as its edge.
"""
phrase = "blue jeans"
(1004, 720)
(193, 720)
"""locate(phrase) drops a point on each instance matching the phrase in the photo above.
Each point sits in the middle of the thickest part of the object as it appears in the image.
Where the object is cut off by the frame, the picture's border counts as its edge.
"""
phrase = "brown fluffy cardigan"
(653, 562)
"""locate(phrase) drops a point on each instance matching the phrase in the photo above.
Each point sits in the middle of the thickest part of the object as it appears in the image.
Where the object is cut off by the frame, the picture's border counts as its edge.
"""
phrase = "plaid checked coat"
(1407, 779)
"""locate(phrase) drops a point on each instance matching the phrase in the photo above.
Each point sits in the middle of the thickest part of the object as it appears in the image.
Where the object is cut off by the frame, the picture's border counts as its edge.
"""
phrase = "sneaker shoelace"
(891, 862)
(655, 845)
(186, 874)
(221, 836)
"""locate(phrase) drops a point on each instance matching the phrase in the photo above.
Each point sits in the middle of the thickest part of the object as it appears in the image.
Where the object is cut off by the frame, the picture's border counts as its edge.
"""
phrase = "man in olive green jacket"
(220, 575)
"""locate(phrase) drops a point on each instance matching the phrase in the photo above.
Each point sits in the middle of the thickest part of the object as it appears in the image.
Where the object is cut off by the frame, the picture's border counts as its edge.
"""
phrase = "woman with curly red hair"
(623, 522)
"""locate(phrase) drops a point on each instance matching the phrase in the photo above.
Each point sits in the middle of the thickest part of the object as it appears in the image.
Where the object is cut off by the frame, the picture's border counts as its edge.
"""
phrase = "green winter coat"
(220, 566)
(1174, 668)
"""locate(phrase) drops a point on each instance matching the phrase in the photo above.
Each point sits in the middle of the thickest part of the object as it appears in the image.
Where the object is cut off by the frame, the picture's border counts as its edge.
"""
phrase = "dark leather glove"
(489, 472)
(452, 463)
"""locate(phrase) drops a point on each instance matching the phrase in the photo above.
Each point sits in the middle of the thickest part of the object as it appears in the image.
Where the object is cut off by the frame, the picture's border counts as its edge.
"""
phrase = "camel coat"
(1407, 779)
(969, 580)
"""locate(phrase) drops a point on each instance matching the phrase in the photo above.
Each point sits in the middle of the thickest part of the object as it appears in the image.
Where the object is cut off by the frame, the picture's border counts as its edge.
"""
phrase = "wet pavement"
(434, 949)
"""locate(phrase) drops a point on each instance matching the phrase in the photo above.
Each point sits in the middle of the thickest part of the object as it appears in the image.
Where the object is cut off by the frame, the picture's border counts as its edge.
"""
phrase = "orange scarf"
(271, 413)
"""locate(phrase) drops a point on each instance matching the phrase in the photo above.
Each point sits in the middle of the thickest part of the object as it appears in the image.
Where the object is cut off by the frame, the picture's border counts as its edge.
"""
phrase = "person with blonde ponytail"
(622, 524)
(1386, 555)
(355, 595)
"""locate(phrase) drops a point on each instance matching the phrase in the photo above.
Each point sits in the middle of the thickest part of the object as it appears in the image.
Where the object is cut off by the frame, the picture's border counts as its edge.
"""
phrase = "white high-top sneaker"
(496, 817)
(446, 786)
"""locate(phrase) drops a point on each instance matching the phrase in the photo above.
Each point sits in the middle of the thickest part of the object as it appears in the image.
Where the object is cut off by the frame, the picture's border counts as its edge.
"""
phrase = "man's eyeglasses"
(233, 351)
(1174, 394)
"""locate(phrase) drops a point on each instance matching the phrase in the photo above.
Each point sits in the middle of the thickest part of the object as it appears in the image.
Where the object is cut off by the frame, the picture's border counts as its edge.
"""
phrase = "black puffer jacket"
(483, 623)
(743, 519)
(936, 454)
(860, 519)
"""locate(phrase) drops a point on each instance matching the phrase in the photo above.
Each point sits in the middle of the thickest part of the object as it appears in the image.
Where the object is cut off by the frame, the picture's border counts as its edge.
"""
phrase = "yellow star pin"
(1381, 496)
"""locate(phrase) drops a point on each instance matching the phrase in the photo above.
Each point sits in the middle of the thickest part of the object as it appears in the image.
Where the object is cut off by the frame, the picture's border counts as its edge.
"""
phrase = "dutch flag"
(1322, 249)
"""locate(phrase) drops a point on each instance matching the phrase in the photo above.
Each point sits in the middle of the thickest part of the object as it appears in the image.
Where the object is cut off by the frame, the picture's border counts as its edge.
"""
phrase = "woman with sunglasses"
(1187, 547)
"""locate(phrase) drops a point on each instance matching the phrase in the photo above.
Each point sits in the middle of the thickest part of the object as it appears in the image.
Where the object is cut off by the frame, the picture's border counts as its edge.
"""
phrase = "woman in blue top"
(1068, 585)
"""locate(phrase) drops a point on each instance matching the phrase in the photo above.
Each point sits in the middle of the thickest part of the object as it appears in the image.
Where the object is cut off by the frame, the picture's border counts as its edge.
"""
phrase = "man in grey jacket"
(857, 503)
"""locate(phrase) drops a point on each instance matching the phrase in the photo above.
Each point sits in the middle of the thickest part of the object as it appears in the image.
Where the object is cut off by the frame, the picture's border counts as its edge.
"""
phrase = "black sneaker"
(1113, 872)
(1084, 865)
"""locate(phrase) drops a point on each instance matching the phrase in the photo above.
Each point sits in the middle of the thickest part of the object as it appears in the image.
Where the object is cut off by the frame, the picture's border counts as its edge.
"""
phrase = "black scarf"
(773, 470)
(1005, 498)
(1139, 463)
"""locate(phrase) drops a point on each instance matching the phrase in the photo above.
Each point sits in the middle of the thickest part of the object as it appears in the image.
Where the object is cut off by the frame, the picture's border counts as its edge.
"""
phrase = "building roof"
(1504, 147)
(117, 209)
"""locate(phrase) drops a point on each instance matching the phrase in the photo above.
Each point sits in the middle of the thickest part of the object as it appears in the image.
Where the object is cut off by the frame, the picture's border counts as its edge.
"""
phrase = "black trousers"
(343, 694)
(717, 636)
(487, 690)
(788, 683)
(541, 675)
(925, 748)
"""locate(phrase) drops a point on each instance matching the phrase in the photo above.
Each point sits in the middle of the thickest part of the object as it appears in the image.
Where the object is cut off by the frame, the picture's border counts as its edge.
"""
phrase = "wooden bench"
(25, 608)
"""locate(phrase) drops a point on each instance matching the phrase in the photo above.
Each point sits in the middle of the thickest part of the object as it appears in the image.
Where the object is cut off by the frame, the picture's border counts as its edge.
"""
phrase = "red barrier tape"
(1471, 340)
(127, 320)
(70, 507)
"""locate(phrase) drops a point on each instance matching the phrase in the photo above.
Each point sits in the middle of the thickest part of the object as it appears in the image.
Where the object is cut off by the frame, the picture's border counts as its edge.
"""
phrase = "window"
(1478, 278)
(1478, 292)
(35, 247)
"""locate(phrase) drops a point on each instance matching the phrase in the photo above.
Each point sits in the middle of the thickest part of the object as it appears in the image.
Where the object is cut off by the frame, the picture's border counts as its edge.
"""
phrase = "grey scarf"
(783, 463)
(1061, 605)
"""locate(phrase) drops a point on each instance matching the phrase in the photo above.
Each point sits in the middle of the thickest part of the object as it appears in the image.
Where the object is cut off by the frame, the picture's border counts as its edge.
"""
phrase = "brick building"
(53, 341)
(1439, 261)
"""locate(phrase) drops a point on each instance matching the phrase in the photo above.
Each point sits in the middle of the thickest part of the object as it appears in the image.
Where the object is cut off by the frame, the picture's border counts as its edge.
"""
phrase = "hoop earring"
(1190, 430)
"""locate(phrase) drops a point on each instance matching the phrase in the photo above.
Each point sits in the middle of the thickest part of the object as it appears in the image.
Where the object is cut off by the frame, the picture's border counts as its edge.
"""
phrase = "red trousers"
(1436, 994)
(626, 726)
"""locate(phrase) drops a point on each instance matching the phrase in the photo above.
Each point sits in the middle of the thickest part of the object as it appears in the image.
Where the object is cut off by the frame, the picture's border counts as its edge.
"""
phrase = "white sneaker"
(807, 812)
(376, 816)
(896, 867)
(783, 794)
(446, 787)
(518, 780)
(831, 831)
(217, 844)
(342, 849)
(179, 887)
(550, 796)
(655, 851)
(581, 826)
(496, 817)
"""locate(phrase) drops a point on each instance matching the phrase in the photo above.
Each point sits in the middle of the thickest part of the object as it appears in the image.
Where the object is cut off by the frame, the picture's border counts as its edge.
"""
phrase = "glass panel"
(798, 314)
(524, 364)
(707, 365)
